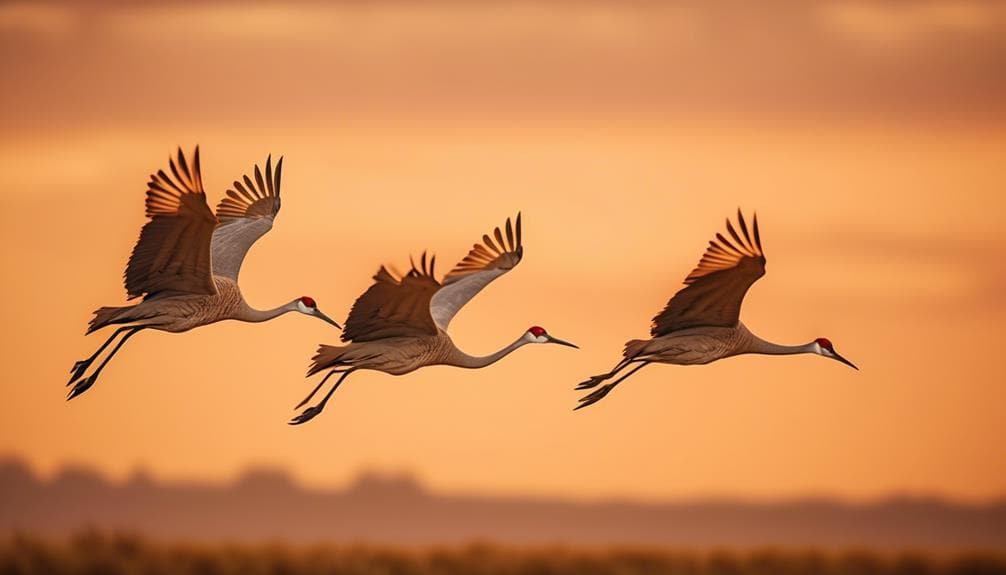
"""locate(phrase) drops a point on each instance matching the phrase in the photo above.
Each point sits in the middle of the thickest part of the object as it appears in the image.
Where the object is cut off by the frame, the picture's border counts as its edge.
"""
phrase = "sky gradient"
(869, 137)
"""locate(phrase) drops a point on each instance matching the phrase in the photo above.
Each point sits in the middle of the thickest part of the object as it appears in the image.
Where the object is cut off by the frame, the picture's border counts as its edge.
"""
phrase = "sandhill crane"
(701, 323)
(186, 262)
(400, 323)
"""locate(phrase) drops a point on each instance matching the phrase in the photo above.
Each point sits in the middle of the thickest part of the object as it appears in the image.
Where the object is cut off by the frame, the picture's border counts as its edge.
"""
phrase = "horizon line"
(411, 480)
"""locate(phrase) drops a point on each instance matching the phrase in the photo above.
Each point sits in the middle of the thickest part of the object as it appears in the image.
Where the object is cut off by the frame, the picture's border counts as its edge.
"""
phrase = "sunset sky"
(869, 136)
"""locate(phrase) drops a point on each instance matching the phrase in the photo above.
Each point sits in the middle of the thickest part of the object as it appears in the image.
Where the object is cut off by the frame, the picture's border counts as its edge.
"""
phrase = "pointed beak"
(562, 342)
(321, 315)
(843, 360)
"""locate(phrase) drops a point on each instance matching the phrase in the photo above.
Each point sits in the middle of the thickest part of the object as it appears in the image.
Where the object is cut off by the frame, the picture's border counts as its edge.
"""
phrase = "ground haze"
(269, 506)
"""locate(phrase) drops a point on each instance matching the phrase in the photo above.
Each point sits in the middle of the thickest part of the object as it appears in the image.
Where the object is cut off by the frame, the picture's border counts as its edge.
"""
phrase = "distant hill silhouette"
(268, 505)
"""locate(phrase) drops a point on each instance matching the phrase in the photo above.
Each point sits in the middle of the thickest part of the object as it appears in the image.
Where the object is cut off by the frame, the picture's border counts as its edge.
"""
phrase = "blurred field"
(95, 552)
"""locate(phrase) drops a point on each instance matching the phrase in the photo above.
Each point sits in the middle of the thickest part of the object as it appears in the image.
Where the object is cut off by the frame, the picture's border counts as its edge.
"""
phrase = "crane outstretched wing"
(716, 287)
(173, 252)
(394, 306)
(482, 265)
(245, 215)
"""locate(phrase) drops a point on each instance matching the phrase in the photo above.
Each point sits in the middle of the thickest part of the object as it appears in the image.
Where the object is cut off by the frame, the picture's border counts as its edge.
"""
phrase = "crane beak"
(321, 315)
(562, 342)
(837, 357)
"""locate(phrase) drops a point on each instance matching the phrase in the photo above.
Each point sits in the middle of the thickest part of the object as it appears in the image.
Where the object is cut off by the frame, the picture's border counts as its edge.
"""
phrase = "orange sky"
(869, 137)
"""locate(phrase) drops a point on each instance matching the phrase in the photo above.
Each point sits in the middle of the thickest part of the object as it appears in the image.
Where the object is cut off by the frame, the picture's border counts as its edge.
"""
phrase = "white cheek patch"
(303, 308)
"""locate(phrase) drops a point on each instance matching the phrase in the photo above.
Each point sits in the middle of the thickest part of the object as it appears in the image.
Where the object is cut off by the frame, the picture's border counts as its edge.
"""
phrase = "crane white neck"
(759, 345)
(462, 359)
(250, 314)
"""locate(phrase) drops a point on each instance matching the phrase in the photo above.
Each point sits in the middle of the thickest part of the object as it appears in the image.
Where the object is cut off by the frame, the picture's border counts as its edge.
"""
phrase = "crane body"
(400, 323)
(185, 265)
(701, 322)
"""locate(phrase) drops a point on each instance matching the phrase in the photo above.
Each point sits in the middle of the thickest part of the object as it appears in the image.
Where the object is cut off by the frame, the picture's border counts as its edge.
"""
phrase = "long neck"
(250, 314)
(462, 359)
(759, 345)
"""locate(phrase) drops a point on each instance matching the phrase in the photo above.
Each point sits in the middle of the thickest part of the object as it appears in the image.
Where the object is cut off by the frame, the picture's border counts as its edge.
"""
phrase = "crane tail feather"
(634, 347)
(105, 316)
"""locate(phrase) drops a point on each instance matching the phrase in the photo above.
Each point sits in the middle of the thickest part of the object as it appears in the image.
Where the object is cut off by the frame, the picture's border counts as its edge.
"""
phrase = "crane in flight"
(400, 323)
(701, 323)
(186, 262)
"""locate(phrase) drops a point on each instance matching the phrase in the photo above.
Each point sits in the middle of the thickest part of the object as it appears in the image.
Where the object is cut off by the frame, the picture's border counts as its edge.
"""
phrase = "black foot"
(81, 386)
(595, 396)
(593, 381)
(78, 370)
(307, 415)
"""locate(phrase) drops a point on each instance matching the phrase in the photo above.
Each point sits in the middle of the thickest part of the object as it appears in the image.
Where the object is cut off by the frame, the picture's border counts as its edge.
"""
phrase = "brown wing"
(482, 265)
(253, 199)
(246, 214)
(489, 257)
(716, 287)
(394, 307)
(173, 252)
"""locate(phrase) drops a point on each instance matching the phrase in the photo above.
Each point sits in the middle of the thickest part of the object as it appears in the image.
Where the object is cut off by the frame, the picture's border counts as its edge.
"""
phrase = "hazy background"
(870, 137)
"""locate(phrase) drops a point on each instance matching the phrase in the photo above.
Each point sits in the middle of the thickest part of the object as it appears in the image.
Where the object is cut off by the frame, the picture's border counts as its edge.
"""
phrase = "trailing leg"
(596, 379)
(318, 387)
(602, 391)
(312, 412)
(83, 385)
(81, 366)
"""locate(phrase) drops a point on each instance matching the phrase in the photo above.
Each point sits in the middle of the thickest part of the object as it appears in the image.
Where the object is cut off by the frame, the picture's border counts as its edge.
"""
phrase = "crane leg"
(597, 379)
(83, 385)
(318, 387)
(81, 366)
(598, 395)
(311, 412)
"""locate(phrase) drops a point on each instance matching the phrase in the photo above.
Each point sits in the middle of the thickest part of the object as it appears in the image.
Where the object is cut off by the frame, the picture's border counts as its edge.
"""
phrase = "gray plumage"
(245, 215)
(185, 265)
(701, 322)
(400, 323)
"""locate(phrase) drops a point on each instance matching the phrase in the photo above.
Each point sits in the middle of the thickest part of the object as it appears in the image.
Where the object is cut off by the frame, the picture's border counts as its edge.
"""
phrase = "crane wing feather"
(716, 288)
(416, 304)
(477, 270)
(246, 214)
(394, 306)
(172, 254)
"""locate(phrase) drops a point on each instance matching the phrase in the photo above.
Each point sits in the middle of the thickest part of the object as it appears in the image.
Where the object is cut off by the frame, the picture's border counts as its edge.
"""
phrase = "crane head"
(537, 334)
(824, 347)
(307, 306)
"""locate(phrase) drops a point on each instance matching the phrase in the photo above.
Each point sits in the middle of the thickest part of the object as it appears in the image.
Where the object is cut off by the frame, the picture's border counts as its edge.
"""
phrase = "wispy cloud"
(939, 60)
